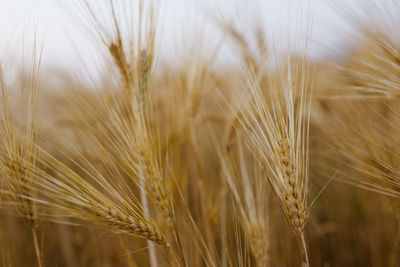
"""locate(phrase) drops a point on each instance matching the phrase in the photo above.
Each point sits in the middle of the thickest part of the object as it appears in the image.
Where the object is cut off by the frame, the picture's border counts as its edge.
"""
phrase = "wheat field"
(278, 160)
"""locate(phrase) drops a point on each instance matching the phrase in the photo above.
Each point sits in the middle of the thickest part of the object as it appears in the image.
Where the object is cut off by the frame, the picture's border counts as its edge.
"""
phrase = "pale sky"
(182, 21)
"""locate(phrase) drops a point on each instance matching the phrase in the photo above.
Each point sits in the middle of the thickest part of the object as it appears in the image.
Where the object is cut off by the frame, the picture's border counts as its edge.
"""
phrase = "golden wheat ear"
(61, 190)
(18, 150)
(130, 46)
(276, 126)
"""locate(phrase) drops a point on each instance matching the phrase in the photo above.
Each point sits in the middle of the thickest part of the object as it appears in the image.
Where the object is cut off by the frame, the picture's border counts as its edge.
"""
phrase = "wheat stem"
(37, 248)
(146, 210)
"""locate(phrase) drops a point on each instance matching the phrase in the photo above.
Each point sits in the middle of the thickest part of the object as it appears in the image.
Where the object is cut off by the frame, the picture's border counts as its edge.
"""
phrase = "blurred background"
(184, 23)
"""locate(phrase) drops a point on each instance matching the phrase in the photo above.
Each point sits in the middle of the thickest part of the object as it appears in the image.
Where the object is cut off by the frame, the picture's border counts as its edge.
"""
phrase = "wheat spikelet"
(117, 52)
(128, 224)
(17, 149)
(276, 126)
(258, 245)
(101, 202)
(133, 146)
(132, 134)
